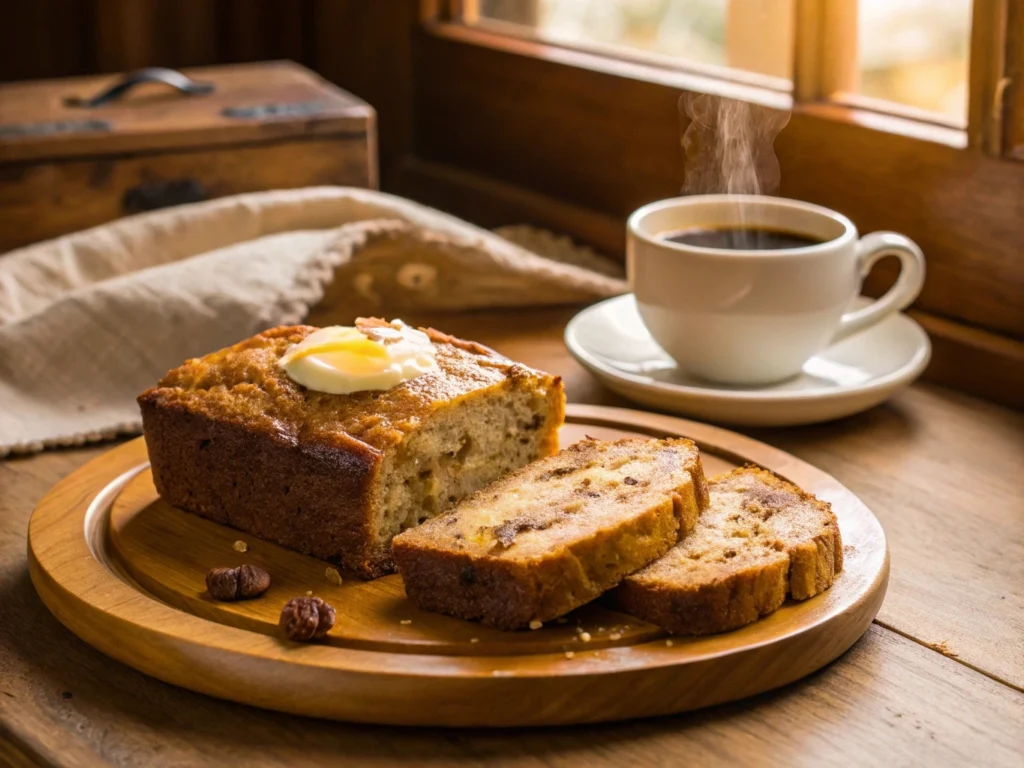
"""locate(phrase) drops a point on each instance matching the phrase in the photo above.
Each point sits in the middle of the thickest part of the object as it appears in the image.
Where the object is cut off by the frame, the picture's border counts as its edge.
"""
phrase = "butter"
(340, 360)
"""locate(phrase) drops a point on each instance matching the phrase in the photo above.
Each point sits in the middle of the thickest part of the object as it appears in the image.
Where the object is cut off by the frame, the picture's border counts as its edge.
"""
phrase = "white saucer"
(611, 341)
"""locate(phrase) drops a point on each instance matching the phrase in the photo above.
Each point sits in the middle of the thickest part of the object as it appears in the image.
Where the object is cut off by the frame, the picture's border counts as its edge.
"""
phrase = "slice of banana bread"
(760, 539)
(556, 534)
(232, 438)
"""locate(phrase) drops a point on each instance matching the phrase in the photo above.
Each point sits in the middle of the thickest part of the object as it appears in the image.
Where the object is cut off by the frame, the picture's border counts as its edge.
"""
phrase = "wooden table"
(937, 680)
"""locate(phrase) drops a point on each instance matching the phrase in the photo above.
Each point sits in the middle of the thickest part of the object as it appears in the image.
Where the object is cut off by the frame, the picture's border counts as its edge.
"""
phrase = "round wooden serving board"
(125, 572)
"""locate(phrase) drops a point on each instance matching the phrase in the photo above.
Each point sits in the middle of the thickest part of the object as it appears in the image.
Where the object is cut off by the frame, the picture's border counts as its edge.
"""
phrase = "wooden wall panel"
(268, 29)
(61, 38)
(366, 48)
(47, 38)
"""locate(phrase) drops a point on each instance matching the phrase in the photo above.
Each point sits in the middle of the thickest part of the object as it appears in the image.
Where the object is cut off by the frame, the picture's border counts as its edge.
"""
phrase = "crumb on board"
(333, 576)
(585, 637)
(943, 647)
(536, 624)
(569, 654)
(240, 546)
(309, 593)
(474, 639)
(615, 636)
(669, 643)
(405, 621)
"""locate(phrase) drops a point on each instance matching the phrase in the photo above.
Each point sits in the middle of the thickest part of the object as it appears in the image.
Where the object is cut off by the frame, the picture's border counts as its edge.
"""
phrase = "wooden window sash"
(825, 59)
(491, 31)
(697, 77)
(758, 89)
(767, 46)
(824, 65)
(986, 90)
(1010, 90)
(749, 50)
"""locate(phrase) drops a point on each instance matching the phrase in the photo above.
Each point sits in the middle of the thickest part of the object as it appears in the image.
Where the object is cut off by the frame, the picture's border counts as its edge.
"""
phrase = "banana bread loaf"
(556, 534)
(761, 539)
(232, 438)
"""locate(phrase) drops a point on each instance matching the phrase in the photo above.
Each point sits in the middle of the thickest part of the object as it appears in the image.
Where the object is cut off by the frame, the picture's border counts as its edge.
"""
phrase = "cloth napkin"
(89, 320)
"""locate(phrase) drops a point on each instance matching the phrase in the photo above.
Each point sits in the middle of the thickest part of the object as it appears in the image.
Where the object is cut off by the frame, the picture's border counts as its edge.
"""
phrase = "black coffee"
(740, 238)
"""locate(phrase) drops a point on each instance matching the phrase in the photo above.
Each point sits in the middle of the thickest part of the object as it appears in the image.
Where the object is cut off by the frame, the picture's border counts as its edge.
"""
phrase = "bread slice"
(761, 539)
(232, 438)
(556, 534)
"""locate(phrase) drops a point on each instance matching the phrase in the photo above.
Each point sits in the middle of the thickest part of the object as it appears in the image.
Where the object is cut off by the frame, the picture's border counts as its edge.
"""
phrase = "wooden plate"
(125, 572)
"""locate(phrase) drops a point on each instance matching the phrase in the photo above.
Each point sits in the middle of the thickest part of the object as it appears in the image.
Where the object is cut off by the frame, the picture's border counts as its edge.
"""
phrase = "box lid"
(249, 103)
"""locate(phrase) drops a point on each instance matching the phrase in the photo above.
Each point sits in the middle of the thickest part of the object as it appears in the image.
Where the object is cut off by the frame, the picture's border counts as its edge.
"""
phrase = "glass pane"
(915, 53)
(751, 35)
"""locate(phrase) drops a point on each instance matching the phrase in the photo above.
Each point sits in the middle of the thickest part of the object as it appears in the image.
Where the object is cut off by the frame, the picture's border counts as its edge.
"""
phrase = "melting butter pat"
(340, 360)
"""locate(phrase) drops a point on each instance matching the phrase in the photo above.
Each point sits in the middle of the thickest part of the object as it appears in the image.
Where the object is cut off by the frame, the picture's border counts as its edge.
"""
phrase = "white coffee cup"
(754, 317)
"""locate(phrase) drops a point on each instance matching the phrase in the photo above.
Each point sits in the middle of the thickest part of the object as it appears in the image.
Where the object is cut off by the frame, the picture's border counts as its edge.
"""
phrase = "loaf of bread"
(556, 534)
(761, 539)
(232, 438)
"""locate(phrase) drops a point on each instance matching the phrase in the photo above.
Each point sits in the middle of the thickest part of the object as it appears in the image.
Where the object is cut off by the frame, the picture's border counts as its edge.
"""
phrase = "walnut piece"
(242, 583)
(307, 618)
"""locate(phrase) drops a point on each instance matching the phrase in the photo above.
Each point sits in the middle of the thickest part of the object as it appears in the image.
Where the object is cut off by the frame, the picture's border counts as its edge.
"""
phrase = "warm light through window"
(751, 35)
(913, 53)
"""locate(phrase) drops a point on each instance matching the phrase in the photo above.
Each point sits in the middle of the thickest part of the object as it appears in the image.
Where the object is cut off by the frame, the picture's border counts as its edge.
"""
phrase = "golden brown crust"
(232, 438)
(244, 384)
(556, 534)
(761, 539)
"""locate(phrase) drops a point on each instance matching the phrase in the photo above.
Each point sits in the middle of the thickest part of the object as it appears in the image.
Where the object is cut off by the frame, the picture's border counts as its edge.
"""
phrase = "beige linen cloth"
(89, 320)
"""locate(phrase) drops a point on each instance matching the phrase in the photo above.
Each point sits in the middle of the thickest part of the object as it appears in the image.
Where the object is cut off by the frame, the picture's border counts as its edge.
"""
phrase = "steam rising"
(728, 146)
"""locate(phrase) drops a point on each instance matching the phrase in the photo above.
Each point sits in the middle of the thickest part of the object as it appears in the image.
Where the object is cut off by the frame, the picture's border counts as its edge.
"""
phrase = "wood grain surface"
(161, 148)
(38, 201)
(891, 699)
(152, 118)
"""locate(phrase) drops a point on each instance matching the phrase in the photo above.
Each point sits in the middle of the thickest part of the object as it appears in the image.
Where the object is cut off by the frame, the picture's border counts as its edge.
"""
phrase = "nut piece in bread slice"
(556, 534)
(761, 539)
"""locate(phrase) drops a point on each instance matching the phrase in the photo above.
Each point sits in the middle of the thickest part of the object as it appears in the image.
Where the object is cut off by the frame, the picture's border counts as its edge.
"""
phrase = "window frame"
(996, 36)
(503, 130)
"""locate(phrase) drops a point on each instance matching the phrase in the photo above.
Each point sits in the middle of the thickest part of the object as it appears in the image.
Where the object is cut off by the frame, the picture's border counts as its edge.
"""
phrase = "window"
(915, 53)
(748, 35)
(910, 57)
(564, 114)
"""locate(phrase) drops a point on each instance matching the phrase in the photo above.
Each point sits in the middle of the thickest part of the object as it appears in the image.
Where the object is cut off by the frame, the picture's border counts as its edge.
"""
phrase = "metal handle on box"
(170, 77)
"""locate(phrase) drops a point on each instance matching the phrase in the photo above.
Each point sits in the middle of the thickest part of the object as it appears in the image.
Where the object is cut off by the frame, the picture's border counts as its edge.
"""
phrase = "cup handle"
(870, 249)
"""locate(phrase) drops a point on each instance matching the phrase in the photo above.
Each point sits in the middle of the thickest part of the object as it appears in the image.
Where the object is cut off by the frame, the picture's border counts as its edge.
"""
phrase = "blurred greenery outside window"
(909, 52)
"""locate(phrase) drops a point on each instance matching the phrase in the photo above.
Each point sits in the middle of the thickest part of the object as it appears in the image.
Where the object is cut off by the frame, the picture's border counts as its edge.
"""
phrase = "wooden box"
(65, 166)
